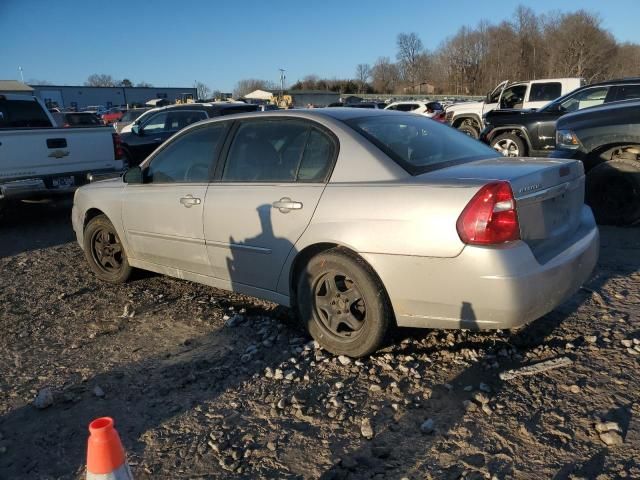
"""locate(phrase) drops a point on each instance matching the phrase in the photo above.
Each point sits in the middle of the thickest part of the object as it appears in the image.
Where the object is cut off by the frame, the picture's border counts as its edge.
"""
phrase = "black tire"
(612, 191)
(509, 145)
(353, 317)
(469, 130)
(104, 251)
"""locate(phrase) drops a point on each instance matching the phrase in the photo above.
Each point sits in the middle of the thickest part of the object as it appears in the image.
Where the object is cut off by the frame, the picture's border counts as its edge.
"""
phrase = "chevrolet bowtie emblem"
(59, 154)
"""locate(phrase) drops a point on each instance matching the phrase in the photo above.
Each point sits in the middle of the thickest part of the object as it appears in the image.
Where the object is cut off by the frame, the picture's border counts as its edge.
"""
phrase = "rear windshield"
(22, 114)
(131, 115)
(418, 143)
(82, 119)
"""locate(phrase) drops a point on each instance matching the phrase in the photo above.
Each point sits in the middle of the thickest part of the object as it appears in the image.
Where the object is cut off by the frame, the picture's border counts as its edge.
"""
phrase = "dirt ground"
(207, 384)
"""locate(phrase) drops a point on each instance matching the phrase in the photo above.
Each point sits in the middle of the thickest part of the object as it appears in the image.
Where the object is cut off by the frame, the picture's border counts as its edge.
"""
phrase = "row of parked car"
(565, 118)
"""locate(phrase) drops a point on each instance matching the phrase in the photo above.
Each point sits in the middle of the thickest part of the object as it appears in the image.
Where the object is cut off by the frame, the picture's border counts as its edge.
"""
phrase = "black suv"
(516, 133)
(607, 141)
(156, 127)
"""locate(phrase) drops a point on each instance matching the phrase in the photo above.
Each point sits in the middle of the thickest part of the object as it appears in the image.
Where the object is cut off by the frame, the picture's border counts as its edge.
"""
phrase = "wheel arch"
(460, 119)
(303, 257)
(606, 152)
(90, 214)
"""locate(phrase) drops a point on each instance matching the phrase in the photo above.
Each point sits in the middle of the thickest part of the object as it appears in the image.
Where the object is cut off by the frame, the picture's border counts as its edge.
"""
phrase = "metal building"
(78, 97)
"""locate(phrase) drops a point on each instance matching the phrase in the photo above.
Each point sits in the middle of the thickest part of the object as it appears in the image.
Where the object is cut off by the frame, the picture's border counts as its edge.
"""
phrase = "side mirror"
(133, 176)
(136, 129)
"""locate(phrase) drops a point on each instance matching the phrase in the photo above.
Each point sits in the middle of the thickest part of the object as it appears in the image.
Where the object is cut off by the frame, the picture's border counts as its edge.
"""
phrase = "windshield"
(418, 143)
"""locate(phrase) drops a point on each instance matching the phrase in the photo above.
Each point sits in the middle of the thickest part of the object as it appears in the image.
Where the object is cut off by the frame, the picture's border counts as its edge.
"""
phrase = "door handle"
(285, 205)
(189, 201)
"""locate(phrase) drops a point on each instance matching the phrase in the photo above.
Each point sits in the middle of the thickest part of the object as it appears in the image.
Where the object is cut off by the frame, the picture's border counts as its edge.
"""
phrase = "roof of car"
(615, 81)
(623, 104)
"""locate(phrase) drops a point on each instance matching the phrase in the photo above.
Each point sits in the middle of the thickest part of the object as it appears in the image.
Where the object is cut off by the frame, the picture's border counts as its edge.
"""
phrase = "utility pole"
(21, 74)
(282, 77)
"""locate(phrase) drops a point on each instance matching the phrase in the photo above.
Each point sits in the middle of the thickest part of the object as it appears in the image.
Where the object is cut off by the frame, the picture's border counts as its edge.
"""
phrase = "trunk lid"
(549, 195)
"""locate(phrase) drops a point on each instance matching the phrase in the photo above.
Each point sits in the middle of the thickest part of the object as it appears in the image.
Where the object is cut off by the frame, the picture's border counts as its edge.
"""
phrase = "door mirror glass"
(136, 129)
(133, 175)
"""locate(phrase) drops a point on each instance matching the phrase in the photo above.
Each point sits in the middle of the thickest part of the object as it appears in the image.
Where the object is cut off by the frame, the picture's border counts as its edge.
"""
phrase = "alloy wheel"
(507, 147)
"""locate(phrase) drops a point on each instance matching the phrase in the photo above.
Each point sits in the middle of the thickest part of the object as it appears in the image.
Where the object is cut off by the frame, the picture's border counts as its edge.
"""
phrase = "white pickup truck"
(38, 159)
(468, 116)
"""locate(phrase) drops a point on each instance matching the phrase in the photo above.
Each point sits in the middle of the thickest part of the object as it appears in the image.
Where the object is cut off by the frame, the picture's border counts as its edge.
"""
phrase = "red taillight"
(439, 117)
(118, 153)
(490, 217)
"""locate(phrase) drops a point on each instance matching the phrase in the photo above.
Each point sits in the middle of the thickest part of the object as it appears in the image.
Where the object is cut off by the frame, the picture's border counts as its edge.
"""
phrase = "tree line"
(476, 59)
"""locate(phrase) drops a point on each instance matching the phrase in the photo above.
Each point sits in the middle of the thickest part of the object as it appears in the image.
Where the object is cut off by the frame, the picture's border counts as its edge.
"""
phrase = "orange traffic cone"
(105, 454)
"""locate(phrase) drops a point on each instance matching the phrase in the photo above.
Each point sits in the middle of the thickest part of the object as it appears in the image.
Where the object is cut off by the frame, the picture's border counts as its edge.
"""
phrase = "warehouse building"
(79, 97)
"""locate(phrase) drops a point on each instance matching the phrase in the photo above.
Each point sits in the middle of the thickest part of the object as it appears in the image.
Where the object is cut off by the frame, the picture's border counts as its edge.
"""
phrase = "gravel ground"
(207, 384)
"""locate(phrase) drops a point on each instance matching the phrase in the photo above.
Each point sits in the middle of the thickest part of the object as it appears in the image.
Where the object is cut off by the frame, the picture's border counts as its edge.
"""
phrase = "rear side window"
(188, 158)
(22, 114)
(278, 151)
(545, 92)
(407, 107)
(628, 92)
(317, 157)
(418, 143)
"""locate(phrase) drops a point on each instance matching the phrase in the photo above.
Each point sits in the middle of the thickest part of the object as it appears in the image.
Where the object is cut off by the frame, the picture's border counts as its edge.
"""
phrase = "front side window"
(156, 123)
(278, 151)
(513, 97)
(584, 99)
(419, 144)
(545, 92)
(188, 158)
(177, 120)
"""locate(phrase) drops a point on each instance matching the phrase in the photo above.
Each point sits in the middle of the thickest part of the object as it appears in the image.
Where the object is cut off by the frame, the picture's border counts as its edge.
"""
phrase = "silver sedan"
(360, 219)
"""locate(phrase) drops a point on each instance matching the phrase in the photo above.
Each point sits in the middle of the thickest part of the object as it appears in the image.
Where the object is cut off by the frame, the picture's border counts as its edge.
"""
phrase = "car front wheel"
(104, 251)
(343, 304)
(509, 145)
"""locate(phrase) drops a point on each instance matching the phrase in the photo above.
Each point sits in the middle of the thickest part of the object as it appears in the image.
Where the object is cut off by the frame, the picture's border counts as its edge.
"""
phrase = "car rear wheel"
(509, 145)
(613, 192)
(104, 251)
(343, 304)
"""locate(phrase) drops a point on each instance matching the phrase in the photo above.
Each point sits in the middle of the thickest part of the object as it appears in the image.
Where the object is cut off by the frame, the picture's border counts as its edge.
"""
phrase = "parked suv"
(607, 140)
(468, 116)
(428, 109)
(516, 133)
(156, 127)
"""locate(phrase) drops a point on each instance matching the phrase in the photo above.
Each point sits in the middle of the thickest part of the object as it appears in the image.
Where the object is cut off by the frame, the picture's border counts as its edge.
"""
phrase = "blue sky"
(175, 43)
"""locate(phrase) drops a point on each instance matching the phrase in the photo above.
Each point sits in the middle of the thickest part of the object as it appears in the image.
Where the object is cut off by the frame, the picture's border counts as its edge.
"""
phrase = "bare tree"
(144, 84)
(101, 80)
(410, 49)
(384, 75)
(363, 72)
(202, 90)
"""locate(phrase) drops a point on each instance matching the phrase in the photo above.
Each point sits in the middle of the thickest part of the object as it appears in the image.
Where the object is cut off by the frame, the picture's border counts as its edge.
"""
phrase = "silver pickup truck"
(38, 159)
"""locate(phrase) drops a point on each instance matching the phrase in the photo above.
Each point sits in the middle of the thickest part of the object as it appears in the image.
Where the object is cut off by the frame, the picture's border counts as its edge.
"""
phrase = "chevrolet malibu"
(359, 219)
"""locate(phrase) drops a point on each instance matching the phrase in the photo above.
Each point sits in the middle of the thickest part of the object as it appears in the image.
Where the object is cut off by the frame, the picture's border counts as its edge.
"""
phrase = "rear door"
(163, 216)
(589, 97)
(267, 190)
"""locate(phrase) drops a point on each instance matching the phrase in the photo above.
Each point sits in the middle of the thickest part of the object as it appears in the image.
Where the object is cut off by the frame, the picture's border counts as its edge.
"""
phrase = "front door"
(273, 178)
(163, 216)
(160, 127)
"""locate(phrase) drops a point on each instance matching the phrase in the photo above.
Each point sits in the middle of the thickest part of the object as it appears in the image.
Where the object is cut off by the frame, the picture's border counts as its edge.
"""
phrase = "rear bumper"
(486, 287)
(42, 187)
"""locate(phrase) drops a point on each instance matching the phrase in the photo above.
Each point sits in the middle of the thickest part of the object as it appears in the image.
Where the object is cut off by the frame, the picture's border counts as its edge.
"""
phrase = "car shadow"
(26, 226)
(189, 378)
